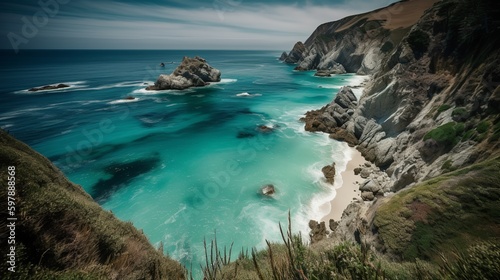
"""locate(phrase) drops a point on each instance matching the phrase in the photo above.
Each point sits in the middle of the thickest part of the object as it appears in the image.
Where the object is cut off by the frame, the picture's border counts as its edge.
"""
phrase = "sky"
(168, 24)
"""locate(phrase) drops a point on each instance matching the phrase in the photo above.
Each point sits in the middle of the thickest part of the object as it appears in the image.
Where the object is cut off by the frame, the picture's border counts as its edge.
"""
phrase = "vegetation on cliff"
(61, 233)
(446, 213)
(293, 259)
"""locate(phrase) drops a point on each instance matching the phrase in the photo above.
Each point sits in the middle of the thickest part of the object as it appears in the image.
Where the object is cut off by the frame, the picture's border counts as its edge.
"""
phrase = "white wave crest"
(120, 101)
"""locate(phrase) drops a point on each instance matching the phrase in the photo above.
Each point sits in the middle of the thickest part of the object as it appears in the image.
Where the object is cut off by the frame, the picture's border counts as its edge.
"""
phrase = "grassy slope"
(62, 233)
(452, 211)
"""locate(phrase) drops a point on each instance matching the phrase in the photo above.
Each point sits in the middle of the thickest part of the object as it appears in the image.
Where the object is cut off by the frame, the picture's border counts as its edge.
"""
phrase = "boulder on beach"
(49, 87)
(329, 173)
(192, 72)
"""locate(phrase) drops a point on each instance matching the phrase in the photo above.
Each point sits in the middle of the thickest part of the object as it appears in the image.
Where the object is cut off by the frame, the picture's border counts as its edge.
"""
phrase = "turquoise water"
(179, 164)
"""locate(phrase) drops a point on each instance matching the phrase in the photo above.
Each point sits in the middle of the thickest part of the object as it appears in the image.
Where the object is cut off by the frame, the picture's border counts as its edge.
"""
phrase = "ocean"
(180, 165)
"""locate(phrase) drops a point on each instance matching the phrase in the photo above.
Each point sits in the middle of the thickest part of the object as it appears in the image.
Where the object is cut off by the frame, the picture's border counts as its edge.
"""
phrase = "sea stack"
(192, 72)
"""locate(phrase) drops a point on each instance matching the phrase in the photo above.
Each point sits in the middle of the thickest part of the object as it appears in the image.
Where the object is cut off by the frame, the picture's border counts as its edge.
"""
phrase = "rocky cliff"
(61, 233)
(358, 43)
(432, 104)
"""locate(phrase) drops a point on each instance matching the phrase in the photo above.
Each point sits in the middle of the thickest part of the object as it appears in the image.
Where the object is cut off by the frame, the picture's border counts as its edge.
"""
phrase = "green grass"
(443, 108)
(448, 134)
(483, 126)
(449, 212)
(460, 113)
(496, 132)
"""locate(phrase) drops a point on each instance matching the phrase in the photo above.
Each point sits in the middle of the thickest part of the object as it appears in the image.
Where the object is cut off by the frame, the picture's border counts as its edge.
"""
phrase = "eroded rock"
(318, 231)
(329, 173)
(192, 72)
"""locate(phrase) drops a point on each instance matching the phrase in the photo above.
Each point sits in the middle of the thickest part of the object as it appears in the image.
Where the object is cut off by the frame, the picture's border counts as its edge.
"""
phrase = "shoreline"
(346, 183)
(346, 188)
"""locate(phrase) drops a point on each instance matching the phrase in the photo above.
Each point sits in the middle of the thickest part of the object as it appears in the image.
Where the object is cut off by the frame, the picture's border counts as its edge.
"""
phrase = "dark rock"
(296, 54)
(244, 134)
(265, 129)
(341, 134)
(268, 190)
(329, 173)
(192, 72)
(318, 231)
(333, 224)
(346, 98)
(322, 73)
(357, 170)
(283, 56)
(50, 87)
(129, 98)
(308, 63)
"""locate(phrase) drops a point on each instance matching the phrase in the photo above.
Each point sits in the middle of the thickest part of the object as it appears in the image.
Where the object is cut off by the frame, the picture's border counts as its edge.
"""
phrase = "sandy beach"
(348, 190)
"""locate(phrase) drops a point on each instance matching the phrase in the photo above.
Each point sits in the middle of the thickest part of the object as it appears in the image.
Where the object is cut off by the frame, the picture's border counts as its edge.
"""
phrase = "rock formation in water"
(329, 173)
(61, 233)
(192, 72)
(49, 87)
(432, 105)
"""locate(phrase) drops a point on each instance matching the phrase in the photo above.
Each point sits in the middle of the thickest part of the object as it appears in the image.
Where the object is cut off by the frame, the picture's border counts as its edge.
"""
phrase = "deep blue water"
(179, 164)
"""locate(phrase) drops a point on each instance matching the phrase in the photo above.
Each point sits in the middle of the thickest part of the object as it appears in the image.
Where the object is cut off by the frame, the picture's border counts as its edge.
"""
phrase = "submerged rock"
(49, 87)
(192, 72)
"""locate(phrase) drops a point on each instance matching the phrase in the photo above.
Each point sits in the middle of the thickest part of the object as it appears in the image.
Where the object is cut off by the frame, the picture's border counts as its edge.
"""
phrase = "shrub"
(483, 127)
(443, 108)
(419, 42)
(448, 134)
(460, 114)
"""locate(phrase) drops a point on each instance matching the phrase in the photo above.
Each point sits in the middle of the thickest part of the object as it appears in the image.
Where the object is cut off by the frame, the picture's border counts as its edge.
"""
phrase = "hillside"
(62, 233)
(429, 118)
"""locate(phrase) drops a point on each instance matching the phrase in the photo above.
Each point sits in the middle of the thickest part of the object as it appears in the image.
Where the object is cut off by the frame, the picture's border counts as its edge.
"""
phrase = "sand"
(349, 190)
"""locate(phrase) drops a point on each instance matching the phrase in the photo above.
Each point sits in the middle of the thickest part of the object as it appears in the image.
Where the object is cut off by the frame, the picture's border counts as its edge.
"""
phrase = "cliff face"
(359, 42)
(61, 232)
(432, 104)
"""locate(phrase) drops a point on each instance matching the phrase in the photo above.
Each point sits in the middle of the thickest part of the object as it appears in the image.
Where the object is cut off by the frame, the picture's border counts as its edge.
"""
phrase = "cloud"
(221, 24)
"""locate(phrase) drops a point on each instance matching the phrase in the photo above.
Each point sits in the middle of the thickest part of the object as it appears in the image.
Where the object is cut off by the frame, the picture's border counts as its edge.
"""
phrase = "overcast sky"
(168, 24)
